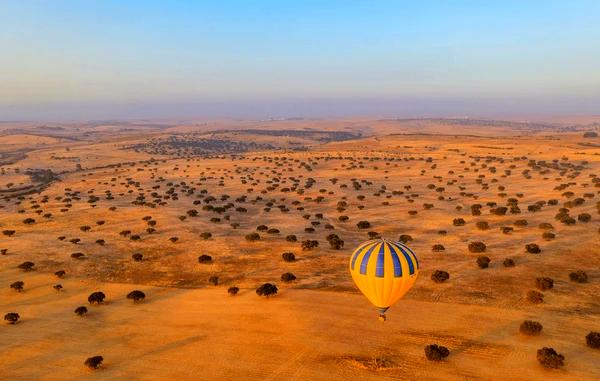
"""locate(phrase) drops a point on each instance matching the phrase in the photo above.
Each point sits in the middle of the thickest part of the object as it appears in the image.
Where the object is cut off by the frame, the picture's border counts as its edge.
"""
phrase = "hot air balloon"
(383, 271)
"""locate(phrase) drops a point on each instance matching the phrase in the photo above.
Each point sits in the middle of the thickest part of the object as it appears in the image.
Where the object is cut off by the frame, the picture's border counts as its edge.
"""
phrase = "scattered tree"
(438, 247)
(508, 262)
(535, 297)
(363, 224)
(533, 248)
(544, 283)
(483, 262)
(440, 276)
(94, 362)
(549, 358)
(96, 297)
(309, 244)
(593, 340)
(435, 352)
(233, 290)
(578, 276)
(26, 266)
(477, 247)
(136, 296)
(138, 257)
(267, 289)
(17, 286)
(288, 257)
(12, 317)
(530, 327)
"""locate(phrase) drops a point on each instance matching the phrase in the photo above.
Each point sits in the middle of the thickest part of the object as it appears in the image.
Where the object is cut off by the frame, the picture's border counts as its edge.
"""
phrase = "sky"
(101, 59)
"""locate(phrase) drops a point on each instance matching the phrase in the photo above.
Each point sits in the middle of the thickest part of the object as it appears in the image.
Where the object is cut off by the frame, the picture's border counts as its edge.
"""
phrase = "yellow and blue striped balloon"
(384, 271)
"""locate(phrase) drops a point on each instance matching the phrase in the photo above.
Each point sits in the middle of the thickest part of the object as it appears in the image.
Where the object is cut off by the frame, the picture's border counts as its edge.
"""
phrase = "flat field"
(86, 198)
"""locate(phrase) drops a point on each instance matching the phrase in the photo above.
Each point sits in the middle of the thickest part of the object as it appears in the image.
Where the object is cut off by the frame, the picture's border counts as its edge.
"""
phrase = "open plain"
(184, 212)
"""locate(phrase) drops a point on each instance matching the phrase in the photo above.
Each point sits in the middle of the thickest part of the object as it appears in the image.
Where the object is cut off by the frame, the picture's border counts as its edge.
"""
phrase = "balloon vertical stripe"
(387, 271)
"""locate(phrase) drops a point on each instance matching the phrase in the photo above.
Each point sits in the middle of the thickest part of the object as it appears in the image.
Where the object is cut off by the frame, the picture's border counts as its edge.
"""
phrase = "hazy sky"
(254, 58)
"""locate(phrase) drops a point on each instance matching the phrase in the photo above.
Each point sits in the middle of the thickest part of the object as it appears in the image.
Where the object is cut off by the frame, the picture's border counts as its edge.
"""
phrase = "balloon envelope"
(384, 271)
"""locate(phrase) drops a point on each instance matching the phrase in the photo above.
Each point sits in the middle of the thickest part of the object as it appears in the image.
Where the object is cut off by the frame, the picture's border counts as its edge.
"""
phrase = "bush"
(548, 236)
(477, 247)
(262, 228)
(578, 276)
(482, 225)
(438, 247)
(543, 283)
(136, 296)
(533, 248)
(309, 244)
(78, 256)
(483, 262)
(214, 280)
(508, 262)
(12, 317)
(458, 222)
(204, 259)
(26, 266)
(335, 242)
(593, 340)
(373, 235)
(252, 237)
(435, 352)
(535, 297)
(205, 235)
(267, 289)
(440, 276)
(94, 362)
(499, 211)
(363, 224)
(584, 217)
(288, 257)
(137, 257)
(96, 297)
(233, 290)
(60, 273)
(288, 277)
(81, 310)
(17, 286)
(549, 358)
(530, 327)
(405, 238)
(507, 229)
(291, 238)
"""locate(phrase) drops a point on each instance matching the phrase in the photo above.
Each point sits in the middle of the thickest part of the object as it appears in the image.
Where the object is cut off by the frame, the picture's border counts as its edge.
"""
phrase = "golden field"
(108, 191)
